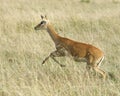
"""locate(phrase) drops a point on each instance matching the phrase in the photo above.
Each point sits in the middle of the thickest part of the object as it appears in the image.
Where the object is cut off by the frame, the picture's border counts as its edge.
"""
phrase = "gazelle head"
(43, 24)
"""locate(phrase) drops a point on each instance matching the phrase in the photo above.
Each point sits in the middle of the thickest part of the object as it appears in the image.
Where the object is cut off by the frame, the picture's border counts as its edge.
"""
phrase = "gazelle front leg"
(45, 59)
(53, 55)
(57, 61)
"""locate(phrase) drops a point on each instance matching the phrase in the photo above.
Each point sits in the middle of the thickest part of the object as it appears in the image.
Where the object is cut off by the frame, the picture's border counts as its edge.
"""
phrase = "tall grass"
(22, 49)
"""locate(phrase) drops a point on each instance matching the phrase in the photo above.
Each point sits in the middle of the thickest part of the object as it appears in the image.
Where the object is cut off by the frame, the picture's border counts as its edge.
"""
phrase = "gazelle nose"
(35, 28)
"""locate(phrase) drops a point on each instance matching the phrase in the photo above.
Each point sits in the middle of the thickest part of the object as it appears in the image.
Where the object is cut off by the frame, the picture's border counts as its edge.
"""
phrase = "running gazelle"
(91, 55)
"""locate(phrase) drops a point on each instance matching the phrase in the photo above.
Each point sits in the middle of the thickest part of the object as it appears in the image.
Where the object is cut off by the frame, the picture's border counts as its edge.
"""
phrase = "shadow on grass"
(112, 76)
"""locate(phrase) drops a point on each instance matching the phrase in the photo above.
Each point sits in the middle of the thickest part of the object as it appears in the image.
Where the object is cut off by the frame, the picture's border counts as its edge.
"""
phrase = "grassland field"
(22, 49)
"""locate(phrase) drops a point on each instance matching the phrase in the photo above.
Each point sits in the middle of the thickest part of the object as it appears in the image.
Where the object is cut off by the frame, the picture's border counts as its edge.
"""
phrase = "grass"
(22, 49)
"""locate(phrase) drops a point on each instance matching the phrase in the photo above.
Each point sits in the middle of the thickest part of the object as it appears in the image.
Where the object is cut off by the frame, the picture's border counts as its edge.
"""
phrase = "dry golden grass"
(22, 49)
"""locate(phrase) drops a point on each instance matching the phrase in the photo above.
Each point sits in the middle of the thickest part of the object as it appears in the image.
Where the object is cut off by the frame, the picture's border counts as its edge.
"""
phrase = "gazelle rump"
(64, 46)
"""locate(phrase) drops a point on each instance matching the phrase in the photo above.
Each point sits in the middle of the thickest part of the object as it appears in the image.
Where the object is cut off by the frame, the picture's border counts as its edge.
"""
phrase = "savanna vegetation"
(22, 49)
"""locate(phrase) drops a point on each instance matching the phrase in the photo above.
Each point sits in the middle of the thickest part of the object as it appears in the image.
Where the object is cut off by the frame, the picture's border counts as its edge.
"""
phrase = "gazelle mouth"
(35, 28)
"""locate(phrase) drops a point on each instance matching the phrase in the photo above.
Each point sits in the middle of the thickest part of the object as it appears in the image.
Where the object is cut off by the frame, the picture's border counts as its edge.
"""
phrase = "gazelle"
(91, 55)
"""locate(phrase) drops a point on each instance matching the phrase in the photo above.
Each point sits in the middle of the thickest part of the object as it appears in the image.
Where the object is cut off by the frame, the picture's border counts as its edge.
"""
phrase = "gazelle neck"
(52, 33)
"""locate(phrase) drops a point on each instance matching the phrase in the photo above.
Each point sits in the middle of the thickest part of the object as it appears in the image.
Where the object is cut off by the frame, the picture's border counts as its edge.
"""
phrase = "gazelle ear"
(42, 17)
(45, 17)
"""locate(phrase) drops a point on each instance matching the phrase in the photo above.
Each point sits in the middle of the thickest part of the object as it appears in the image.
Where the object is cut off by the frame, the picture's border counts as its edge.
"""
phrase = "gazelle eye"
(42, 22)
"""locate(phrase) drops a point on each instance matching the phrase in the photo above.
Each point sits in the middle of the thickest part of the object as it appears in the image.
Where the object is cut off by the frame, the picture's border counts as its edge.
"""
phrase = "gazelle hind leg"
(97, 68)
(100, 71)
(88, 71)
(100, 61)
(88, 66)
(95, 64)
